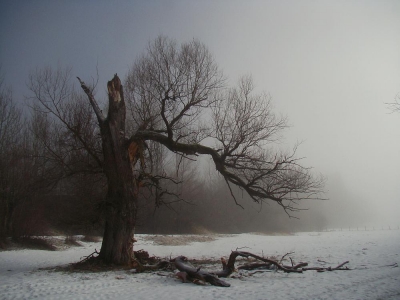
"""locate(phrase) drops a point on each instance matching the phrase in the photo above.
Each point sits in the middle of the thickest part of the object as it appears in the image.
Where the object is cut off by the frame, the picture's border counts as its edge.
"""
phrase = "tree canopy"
(174, 99)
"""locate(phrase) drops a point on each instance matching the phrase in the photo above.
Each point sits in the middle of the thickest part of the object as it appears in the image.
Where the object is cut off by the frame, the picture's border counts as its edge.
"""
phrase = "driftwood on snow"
(188, 272)
(267, 262)
(197, 275)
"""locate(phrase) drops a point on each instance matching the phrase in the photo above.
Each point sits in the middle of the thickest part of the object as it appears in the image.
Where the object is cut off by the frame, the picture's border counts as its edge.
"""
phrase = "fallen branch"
(163, 264)
(198, 276)
(89, 257)
(283, 257)
(300, 265)
(230, 266)
(319, 269)
(188, 272)
(253, 266)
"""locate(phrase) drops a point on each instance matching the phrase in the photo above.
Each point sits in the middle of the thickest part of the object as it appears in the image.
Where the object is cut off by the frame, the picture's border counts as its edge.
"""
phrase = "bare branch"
(71, 131)
(171, 86)
(96, 108)
(287, 183)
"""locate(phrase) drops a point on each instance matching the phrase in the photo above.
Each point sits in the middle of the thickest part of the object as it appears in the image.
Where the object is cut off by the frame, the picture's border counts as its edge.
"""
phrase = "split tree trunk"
(121, 199)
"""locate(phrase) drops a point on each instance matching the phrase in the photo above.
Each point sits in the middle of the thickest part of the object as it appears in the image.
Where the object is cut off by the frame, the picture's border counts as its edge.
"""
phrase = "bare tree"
(174, 101)
(15, 165)
(394, 106)
(66, 149)
(64, 126)
(10, 127)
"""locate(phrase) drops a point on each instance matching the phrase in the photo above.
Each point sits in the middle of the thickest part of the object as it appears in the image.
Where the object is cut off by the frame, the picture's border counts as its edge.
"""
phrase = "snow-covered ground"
(370, 254)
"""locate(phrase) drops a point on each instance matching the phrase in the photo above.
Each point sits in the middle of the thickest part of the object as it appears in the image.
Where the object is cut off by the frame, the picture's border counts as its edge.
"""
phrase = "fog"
(329, 66)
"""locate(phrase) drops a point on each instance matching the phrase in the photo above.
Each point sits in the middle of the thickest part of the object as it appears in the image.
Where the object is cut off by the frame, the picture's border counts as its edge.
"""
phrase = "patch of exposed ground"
(50, 243)
(283, 233)
(178, 240)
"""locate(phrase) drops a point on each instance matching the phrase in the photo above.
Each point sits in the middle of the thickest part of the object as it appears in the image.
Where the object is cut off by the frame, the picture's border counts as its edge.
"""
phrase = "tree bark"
(122, 195)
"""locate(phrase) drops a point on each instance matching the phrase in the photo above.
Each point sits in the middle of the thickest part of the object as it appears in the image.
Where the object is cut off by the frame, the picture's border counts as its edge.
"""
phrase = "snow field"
(370, 254)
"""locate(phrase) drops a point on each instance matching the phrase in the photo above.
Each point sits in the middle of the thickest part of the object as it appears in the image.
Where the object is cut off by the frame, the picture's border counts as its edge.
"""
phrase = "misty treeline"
(38, 195)
(42, 190)
(52, 164)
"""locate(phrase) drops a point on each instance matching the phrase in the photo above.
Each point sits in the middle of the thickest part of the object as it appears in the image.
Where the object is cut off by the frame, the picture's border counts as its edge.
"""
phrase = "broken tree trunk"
(120, 204)
(190, 272)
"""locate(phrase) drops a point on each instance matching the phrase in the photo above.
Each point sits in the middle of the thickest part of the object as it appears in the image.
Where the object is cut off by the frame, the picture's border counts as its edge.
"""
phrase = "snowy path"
(369, 253)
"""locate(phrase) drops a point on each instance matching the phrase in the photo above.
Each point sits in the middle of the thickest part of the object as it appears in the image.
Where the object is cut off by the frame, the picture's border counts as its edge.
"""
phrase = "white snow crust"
(372, 255)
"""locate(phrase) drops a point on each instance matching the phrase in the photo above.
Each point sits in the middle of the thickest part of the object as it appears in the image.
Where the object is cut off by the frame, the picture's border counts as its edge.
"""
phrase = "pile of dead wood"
(189, 273)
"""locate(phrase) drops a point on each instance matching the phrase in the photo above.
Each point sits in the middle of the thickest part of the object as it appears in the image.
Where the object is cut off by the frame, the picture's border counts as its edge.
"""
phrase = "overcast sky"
(329, 66)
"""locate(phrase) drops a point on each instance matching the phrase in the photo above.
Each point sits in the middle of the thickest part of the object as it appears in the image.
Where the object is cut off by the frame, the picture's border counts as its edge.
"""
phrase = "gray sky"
(329, 66)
